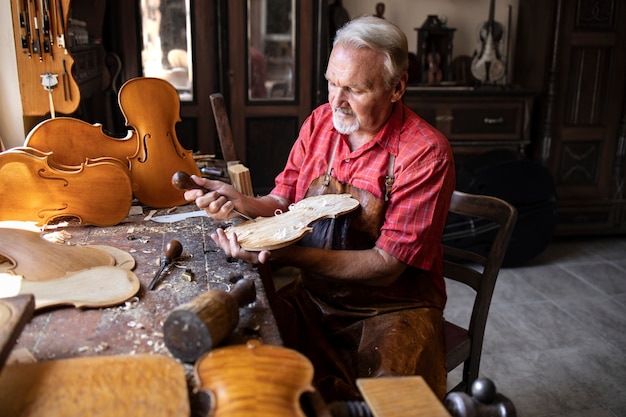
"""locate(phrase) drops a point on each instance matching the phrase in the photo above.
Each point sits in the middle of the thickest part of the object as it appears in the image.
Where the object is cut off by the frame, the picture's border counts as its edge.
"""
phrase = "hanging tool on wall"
(23, 30)
(45, 22)
(61, 27)
(49, 81)
(34, 31)
(67, 90)
(39, 29)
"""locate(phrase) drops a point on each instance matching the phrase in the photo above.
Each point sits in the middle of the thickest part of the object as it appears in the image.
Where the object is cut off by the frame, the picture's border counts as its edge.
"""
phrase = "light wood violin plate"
(100, 386)
(269, 233)
(58, 274)
(101, 286)
(36, 259)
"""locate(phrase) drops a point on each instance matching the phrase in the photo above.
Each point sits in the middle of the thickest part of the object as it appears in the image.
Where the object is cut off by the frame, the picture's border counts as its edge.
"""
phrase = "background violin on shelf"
(488, 66)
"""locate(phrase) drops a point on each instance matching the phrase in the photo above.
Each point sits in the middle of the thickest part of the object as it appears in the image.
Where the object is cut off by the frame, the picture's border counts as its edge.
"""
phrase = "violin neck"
(491, 13)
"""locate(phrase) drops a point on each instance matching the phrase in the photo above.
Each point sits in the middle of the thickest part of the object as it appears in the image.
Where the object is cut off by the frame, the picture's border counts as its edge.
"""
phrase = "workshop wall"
(464, 15)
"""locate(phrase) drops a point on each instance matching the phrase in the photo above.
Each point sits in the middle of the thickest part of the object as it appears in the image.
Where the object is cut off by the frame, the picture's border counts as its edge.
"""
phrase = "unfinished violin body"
(255, 380)
(33, 187)
(73, 141)
(152, 108)
(151, 150)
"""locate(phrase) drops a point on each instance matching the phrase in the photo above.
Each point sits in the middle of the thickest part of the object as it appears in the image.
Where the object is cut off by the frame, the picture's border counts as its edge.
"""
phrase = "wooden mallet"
(198, 326)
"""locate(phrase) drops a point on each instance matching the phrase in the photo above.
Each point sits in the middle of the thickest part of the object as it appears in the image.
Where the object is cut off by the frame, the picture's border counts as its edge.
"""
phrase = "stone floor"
(555, 342)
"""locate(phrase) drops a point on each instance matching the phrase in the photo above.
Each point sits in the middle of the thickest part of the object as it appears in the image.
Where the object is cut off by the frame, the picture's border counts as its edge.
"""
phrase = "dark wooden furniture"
(464, 342)
(573, 52)
(434, 43)
(136, 326)
(476, 120)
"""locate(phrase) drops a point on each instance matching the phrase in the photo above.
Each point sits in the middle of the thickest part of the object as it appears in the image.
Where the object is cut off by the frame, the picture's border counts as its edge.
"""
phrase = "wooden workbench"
(136, 326)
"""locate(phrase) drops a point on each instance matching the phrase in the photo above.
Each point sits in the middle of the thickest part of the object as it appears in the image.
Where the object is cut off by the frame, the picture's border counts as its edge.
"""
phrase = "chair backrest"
(464, 345)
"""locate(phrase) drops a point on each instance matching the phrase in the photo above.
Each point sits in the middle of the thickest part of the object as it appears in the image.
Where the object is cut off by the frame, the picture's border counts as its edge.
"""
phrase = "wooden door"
(580, 131)
(267, 105)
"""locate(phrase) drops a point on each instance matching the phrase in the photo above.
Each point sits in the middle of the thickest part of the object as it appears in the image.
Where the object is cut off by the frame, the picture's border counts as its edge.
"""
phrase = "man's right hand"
(217, 198)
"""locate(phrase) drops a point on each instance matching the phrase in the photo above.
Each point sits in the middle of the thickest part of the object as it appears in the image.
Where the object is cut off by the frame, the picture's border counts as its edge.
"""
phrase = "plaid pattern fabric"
(423, 170)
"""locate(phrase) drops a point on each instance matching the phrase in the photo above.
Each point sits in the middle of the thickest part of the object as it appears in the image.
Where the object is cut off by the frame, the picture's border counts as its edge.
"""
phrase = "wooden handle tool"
(173, 250)
(195, 328)
(183, 181)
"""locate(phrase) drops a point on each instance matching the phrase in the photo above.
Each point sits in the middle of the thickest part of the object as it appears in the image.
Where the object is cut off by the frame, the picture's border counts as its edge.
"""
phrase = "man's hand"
(233, 249)
(217, 199)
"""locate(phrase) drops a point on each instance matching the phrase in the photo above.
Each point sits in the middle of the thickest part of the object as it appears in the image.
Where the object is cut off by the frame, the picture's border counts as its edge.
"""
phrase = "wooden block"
(240, 179)
(408, 396)
(103, 386)
(15, 312)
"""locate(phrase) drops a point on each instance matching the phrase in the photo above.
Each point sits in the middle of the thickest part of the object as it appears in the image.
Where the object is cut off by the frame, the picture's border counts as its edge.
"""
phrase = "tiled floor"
(555, 342)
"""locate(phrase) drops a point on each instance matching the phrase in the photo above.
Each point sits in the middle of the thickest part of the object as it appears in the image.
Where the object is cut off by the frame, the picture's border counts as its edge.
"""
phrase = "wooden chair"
(464, 345)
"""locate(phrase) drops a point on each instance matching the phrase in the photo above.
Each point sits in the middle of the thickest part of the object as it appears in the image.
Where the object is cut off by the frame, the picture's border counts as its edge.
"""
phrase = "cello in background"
(151, 107)
(488, 66)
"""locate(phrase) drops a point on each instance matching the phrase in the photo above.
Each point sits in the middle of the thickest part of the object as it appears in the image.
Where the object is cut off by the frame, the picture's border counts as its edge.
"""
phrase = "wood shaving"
(149, 216)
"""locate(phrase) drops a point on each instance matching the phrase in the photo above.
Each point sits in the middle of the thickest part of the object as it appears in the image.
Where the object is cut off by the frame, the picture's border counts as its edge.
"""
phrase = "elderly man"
(370, 298)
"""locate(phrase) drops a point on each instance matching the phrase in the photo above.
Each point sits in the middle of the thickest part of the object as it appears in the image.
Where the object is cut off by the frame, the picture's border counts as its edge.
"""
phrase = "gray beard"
(341, 124)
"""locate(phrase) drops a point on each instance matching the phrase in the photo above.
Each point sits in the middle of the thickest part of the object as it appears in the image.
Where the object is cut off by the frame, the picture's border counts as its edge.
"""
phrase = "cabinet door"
(270, 71)
(583, 146)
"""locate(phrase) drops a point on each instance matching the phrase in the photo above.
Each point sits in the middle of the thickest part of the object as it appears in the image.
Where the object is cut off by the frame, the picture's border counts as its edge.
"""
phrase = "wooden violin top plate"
(37, 259)
(269, 233)
(101, 286)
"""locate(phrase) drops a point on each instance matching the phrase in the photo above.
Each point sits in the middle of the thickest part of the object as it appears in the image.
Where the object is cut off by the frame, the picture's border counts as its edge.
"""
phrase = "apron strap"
(389, 179)
(330, 163)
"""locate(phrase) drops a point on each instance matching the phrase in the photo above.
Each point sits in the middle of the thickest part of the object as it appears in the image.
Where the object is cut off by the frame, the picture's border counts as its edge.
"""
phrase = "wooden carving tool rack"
(43, 61)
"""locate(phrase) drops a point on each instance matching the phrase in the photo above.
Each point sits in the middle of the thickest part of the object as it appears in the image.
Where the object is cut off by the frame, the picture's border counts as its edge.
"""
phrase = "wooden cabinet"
(581, 135)
(475, 120)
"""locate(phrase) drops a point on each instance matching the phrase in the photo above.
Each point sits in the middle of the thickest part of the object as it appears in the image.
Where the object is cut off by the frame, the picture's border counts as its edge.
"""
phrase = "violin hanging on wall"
(488, 66)
(43, 60)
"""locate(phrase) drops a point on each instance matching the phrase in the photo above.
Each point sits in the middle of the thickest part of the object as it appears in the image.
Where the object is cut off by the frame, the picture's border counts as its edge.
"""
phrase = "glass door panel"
(166, 38)
(271, 49)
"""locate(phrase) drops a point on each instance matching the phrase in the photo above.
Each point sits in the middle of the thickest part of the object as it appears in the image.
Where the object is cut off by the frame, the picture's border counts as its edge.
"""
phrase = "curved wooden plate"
(269, 233)
(37, 259)
(101, 286)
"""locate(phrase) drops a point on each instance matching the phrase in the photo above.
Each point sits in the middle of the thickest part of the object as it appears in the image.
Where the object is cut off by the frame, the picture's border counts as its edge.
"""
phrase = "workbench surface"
(136, 326)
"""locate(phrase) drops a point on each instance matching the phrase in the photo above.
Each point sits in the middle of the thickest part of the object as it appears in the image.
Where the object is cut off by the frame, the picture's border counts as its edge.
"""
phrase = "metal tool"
(183, 181)
(173, 250)
(67, 89)
(170, 218)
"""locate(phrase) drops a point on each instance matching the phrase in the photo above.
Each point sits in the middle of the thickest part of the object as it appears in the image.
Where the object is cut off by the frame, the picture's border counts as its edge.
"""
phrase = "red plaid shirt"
(424, 179)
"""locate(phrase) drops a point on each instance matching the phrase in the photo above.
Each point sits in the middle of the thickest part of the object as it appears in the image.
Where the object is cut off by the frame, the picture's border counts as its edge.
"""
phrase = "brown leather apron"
(352, 331)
